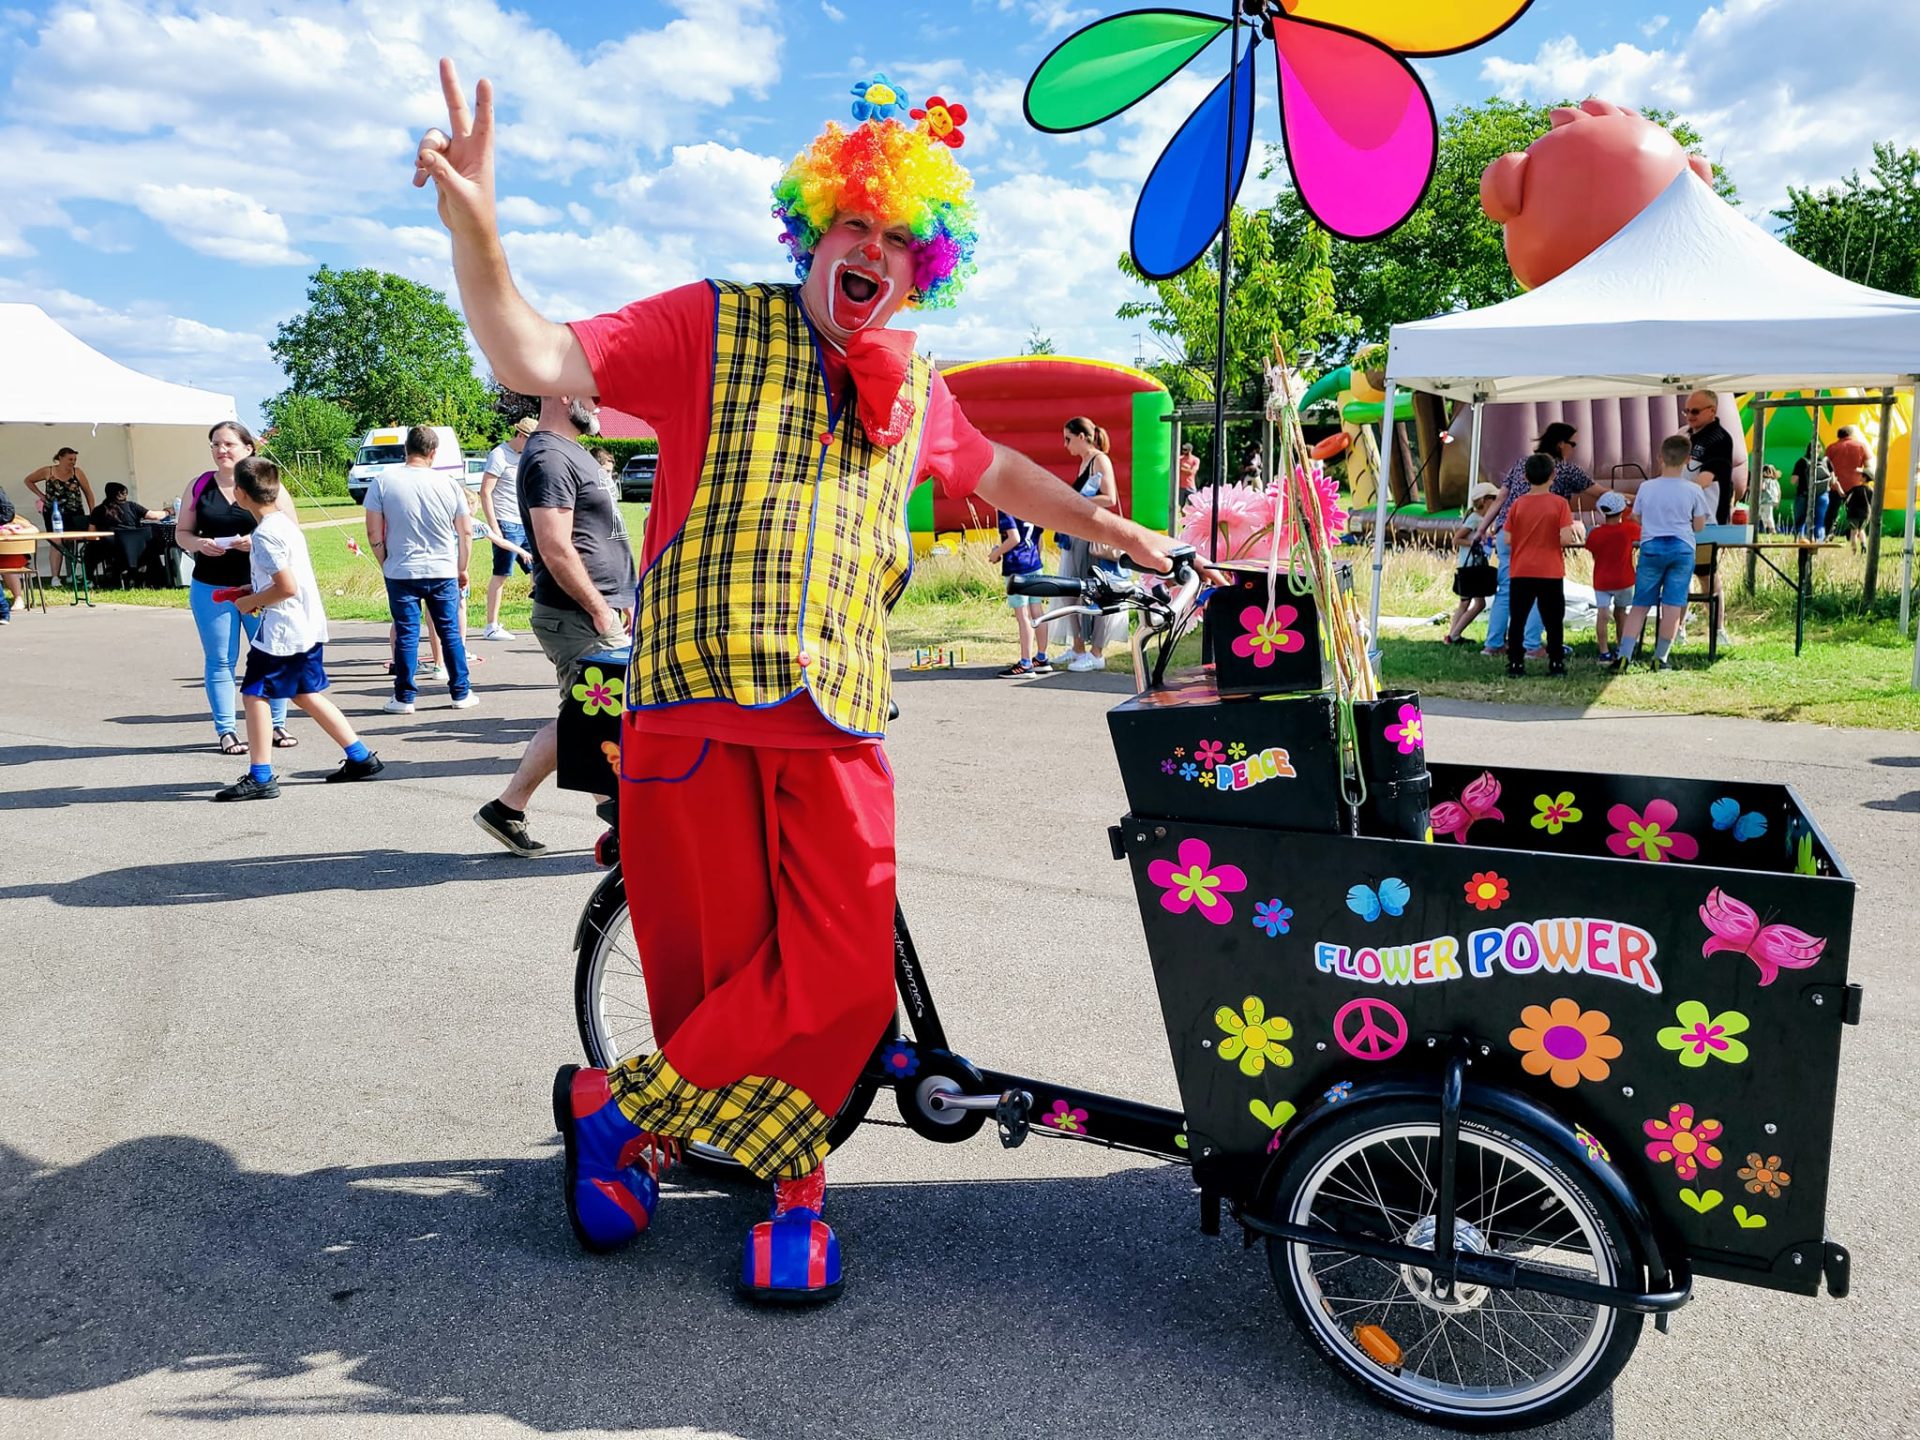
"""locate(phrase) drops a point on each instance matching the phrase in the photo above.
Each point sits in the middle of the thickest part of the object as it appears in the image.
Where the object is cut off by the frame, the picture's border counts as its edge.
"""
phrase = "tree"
(1448, 255)
(312, 437)
(1867, 231)
(386, 350)
(1038, 344)
(1283, 290)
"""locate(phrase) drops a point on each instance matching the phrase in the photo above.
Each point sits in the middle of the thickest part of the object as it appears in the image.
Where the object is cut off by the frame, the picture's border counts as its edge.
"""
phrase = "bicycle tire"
(604, 938)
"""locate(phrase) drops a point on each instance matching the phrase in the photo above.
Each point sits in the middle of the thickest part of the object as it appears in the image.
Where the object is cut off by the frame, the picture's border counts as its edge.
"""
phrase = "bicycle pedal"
(1011, 1116)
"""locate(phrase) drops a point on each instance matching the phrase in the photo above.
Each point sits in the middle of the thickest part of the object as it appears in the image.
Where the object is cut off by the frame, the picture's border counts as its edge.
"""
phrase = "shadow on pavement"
(453, 1288)
(209, 882)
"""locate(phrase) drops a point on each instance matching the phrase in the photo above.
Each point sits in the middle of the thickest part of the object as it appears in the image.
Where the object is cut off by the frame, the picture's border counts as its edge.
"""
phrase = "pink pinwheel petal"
(1359, 128)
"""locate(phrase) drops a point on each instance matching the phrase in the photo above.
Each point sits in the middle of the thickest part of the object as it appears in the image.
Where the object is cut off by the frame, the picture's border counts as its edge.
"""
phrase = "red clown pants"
(760, 882)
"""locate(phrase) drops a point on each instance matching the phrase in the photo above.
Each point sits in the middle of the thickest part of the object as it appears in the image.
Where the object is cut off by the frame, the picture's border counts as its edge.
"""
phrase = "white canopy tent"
(56, 390)
(1689, 296)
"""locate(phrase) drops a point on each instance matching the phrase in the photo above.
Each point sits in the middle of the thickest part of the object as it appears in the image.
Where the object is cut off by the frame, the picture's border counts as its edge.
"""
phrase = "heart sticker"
(1701, 1203)
(1276, 1117)
(1747, 1221)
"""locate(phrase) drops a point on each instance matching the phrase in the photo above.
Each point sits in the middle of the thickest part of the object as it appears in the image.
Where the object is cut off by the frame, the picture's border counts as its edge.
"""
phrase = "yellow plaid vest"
(796, 546)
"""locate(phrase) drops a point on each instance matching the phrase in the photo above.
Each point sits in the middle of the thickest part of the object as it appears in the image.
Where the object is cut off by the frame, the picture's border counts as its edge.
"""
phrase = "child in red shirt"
(1611, 542)
(1539, 524)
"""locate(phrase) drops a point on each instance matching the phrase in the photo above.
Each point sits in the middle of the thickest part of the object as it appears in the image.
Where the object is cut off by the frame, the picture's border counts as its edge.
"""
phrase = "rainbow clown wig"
(901, 174)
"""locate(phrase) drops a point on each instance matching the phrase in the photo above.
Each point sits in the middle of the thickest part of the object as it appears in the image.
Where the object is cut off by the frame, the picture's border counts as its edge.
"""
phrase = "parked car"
(385, 449)
(476, 472)
(636, 478)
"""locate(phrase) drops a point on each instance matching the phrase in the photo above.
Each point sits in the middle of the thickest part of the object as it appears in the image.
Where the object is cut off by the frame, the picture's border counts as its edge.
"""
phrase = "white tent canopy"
(56, 390)
(1689, 295)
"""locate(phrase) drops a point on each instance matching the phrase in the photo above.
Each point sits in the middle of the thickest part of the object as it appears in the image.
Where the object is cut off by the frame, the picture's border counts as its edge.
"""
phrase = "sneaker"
(358, 769)
(1558, 667)
(465, 702)
(496, 632)
(397, 707)
(1725, 640)
(1607, 657)
(1042, 665)
(1618, 664)
(432, 672)
(492, 817)
(1663, 664)
(1018, 668)
(1539, 654)
(1083, 662)
(248, 788)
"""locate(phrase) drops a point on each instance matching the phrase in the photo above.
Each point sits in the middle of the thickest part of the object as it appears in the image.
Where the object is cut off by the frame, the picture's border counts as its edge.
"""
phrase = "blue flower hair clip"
(878, 98)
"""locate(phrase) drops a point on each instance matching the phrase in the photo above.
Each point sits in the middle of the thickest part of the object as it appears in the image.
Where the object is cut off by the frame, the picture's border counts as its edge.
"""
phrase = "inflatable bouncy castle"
(1023, 401)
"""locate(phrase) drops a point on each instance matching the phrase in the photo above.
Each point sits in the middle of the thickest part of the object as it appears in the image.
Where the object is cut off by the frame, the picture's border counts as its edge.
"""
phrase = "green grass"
(1855, 669)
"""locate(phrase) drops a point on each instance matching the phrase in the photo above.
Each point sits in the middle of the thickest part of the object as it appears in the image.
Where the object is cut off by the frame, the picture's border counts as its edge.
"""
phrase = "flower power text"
(1562, 945)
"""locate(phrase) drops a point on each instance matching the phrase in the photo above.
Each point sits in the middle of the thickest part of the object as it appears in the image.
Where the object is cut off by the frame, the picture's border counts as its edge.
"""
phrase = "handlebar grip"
(1063, 587)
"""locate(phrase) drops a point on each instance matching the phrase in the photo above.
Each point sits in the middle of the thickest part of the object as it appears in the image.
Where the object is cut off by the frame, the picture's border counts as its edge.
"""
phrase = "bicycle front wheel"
(615, 1020)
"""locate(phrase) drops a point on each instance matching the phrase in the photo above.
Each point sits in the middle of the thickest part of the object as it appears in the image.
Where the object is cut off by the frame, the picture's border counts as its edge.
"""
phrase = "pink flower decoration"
(1061, 1117)
(1194, 881)
(1680, 1140)
(1649, 837)
(1407, 734)
(1265, 638)
(1210, 753)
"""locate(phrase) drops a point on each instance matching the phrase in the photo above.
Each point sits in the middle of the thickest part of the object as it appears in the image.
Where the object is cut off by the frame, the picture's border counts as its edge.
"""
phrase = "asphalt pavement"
(276, 1156)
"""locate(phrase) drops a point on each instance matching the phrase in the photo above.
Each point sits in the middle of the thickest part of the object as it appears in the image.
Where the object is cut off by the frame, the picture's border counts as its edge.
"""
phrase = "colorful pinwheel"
(1357, 122)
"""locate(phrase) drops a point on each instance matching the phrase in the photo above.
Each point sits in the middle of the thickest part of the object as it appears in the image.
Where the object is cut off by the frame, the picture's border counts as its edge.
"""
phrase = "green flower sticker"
(1700, 1035)
(1553, 813)
(599, 694)
(1255, 1040)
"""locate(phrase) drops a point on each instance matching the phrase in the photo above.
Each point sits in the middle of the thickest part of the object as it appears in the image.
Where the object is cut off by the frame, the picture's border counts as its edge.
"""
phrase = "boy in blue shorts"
(1019, 554)
(1672, 508)
(285, 661)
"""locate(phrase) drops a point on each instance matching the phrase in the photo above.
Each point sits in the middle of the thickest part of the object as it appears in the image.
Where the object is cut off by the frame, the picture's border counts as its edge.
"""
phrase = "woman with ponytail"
(1087, 443)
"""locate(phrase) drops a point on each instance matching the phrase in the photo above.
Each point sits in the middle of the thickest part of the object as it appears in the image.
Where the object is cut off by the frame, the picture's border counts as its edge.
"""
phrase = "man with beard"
(582, 576)
(756, 807)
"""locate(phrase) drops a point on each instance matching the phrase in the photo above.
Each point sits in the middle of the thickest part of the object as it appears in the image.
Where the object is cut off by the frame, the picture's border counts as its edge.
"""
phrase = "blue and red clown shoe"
(611, 1189)
(794, 1257)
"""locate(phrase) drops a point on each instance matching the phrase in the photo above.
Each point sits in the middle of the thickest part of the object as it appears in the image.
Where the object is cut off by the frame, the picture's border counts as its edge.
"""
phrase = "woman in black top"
(214, 530)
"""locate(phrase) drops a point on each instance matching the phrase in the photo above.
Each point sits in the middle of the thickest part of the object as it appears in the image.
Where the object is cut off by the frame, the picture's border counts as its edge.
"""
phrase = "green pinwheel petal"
(1114, 63)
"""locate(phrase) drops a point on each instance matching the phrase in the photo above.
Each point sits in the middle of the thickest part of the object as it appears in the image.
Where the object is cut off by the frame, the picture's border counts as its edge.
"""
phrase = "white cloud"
(149, 338)
(718, 192)
(832, 12)
(1782, 94)
(218, 222)
(521, 210)
(1654, 26)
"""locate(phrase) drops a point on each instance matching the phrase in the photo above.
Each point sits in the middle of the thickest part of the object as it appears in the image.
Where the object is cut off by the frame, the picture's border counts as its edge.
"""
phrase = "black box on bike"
(589, 727)
(1187, 752)
(1255, 652)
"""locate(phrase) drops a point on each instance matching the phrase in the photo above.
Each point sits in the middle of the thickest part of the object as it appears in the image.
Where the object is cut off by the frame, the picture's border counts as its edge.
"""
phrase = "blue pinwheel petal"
(1184, 202)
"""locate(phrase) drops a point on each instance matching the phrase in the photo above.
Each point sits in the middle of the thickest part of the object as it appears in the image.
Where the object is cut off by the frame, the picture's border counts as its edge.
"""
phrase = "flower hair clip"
(942, 119)
(878, 98)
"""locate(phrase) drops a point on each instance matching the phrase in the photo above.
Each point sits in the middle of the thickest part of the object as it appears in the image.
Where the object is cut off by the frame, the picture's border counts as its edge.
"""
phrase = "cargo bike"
(1495, 1061)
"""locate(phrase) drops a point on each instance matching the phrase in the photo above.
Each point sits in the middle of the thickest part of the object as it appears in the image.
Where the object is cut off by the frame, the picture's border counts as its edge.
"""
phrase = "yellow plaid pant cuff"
(771, 1128)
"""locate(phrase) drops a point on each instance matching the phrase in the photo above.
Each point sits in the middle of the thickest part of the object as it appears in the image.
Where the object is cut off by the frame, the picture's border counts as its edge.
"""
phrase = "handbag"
(1475, 577)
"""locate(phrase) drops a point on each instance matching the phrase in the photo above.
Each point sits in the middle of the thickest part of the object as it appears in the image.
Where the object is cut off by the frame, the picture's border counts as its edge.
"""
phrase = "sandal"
(282, 740)
(230, 744)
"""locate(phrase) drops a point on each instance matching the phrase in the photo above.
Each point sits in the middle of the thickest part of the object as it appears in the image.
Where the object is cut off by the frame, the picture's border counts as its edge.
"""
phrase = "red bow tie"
(877, 360)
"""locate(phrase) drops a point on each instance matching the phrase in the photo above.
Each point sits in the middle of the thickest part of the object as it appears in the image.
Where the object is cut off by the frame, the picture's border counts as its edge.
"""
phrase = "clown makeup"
(862, 274)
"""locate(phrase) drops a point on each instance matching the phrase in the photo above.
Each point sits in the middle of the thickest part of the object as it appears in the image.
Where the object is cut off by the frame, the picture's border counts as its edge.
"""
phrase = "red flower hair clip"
(944, 119)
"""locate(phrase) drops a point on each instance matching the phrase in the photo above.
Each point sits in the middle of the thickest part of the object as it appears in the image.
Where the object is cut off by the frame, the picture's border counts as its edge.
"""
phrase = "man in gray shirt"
(418, 523)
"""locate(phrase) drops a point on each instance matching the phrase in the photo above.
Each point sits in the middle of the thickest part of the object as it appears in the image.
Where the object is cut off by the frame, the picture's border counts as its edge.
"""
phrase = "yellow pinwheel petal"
(1416, 27)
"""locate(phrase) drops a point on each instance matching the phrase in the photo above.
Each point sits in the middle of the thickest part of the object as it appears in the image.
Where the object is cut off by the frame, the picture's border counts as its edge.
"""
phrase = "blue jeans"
(221, 629)
(1497, 610)
(442, 601)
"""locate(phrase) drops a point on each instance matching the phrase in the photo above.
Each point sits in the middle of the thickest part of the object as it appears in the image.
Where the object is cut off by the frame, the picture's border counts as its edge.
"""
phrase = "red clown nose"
(871, 251)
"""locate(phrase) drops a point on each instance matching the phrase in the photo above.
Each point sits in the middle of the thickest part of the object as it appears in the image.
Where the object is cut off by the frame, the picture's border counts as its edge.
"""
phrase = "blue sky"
(172, 172)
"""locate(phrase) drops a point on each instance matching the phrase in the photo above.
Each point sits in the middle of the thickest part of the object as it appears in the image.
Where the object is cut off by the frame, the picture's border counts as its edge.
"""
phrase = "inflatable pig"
(1575, 187)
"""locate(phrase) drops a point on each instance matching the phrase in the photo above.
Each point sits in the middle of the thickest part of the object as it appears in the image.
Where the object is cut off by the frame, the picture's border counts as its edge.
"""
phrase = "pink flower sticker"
(1650, 836)
(1210, 753)
(1407, 734)
(1071, 1119)
(1684, 1143)
(1265, 639)
(1195, 882)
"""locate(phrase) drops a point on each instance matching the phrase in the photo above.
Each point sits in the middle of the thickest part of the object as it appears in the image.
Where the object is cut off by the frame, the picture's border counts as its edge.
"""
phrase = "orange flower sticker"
(1487, 891)
(1565, 1043)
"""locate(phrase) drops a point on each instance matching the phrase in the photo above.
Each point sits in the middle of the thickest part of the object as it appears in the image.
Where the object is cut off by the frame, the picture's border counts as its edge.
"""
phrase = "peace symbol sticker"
(1370, 1029)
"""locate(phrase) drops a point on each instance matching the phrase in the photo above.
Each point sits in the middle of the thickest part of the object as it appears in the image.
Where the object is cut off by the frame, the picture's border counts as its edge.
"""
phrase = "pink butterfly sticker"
(1736, 928)
(1479, 801)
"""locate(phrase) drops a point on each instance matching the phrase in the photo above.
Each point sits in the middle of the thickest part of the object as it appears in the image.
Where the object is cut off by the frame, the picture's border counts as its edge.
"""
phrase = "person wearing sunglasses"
(1711, 468)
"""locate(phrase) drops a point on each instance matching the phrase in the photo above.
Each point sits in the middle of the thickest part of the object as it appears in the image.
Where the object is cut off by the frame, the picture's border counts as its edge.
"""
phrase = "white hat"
(1612, 503)
(1482, 491)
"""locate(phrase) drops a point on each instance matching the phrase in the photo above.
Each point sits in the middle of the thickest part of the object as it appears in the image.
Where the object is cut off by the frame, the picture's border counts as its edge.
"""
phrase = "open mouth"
(857, 287)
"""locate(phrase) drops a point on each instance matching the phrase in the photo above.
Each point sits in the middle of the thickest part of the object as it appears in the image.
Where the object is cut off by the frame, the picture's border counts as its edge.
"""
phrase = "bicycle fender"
(607, 898)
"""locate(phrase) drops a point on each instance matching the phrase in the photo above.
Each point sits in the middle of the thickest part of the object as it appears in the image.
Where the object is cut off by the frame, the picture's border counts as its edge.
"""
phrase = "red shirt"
(1534, 523)
(654, 359)
(1612, 546)
(1847, 456)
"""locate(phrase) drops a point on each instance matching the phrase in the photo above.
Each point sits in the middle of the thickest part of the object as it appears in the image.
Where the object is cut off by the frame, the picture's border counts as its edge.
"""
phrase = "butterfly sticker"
(1356, 121)
(1479, 801)
(1736, 928)
(1727, 815)
(1370, 904)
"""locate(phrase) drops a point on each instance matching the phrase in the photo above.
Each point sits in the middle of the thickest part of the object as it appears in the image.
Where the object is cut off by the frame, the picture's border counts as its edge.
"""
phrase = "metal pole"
(1872, 583)
(1226, 286)
(1906, 549)
(1382, 477)
(1473, 448)
(1754, 484)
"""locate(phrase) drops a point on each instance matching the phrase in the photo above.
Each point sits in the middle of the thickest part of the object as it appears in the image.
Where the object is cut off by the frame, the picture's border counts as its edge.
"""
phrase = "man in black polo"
(1711, 468)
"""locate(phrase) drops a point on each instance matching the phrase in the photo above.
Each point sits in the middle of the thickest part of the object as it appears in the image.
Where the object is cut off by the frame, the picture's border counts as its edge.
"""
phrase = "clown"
(756, 806)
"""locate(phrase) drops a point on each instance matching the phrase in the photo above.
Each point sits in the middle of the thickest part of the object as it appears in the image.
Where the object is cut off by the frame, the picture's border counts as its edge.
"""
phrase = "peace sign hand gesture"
(461, 164)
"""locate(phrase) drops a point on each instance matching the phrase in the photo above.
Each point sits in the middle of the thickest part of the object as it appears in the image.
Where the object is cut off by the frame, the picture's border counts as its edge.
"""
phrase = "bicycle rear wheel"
(615, 1020)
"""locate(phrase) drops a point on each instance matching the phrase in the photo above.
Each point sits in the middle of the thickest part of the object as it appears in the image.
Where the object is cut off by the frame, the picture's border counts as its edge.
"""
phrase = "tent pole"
(1381, 483)
(1872, 582)
(1473, 447)
(1754, 482)
(1906, 549)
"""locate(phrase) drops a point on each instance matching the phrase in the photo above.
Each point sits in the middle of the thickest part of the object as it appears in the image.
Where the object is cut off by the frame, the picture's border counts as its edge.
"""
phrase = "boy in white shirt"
(1671, 508)
(285, 661)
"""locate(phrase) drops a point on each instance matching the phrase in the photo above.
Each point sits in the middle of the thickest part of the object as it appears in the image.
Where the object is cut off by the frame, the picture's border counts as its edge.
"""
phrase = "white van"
(386, 449)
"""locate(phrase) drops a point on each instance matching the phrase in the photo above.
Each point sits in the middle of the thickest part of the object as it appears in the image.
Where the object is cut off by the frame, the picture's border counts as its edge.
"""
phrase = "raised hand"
(460, 163)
